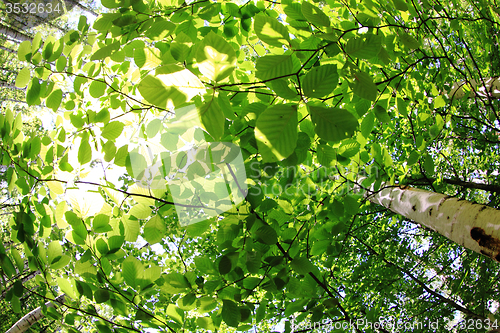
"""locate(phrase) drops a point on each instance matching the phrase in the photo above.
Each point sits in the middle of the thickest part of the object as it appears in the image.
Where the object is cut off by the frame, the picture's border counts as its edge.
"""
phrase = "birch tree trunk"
(489, 88)
(13, 33)
(7, 49)
(5, 84)
(25, 322)
(474, 226)
(82, 7)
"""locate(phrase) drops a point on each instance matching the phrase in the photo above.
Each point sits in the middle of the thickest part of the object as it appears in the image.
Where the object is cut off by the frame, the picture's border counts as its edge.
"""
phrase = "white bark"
(4, 84)
(474, 226)
(7, 49)
(84, 8)
(25, 322)
(13, 33)
(490, 87)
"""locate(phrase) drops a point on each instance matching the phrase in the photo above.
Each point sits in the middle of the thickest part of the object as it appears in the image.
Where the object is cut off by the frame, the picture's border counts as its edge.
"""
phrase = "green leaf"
(101, 295)
(266, 235)
(115, 243)
(101, 224)
(302, 265)
(409, 41)
(282, 89)
(17, 258)
(402, 108)
(177, 281)
(400, 5)
(131, 229)
(326, 155)
(294, 11)
(146, 59)
(132, 270)
(106, 51)
(231, 313)
(33, 92)
(253, 261)
(97, 88)
(225, 265)
(54, 252)
(270, 31)
(204, 265)
(276, 132)
(181, 47)
(160, 29)
(429, 165)
(155, 230)
(23, 77)
(216, 58)
(24, 51)
(176, 314)
(212, 118)
(7, 265)
(365, 47)
(364, 87)
(112, 130)
(348, 148)
(413, 158)
(332, 124)
(157, 93)
(320, 81)
(121, 156)
(367, 124)
(275, 66)
(84, 151)
(54, 100)
(16, 305)
(205, 323)
(381, 114)
(315, 15)
(124, 20)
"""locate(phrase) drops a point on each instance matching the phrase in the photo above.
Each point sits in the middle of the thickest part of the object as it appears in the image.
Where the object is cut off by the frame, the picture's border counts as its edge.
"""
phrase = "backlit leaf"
(364, 87)
(270, 31)
(276, 132)
(320, 81)
(315, 15)
(216, 58)
(332, 124)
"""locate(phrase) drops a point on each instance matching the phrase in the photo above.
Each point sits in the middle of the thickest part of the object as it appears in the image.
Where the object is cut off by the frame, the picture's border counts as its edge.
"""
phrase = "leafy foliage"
(314, 95)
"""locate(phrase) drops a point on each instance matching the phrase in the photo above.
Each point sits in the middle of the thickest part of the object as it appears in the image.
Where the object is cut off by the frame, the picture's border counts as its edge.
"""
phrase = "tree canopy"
(208, 165)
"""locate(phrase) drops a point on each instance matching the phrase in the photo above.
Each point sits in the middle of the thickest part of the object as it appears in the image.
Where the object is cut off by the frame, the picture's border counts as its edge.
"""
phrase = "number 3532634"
(33, 8)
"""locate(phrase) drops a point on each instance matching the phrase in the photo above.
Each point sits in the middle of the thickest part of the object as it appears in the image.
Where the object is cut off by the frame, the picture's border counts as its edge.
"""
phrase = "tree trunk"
(84, 8)
(489, 88)
(25, 322)
(7, 49)
(10, 70)
(13, 100)
(13, 33)
(474, 226)
(27, 20)
(458, 182)
(5, 84)
(24, 279)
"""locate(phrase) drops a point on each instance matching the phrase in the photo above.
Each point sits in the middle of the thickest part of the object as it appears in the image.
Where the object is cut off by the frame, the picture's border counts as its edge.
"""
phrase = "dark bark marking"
(414, 207)
(430, 212)
(485, 240)
(482, 208)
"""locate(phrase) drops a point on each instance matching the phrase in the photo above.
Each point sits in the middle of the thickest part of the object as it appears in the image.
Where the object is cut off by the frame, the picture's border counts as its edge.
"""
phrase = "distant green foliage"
(314, 95)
